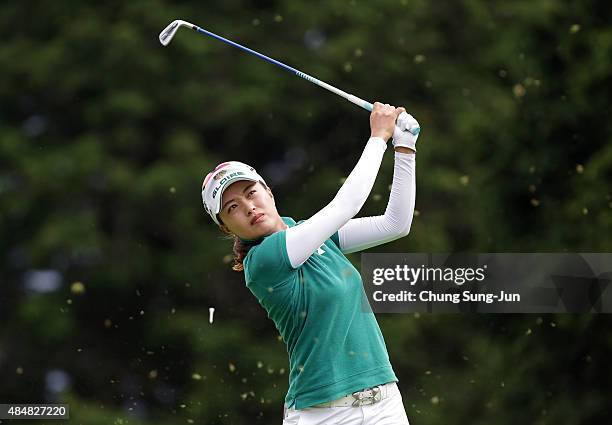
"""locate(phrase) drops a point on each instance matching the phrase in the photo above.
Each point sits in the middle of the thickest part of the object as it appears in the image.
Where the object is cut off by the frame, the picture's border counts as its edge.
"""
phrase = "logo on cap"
(220, 174)
(225, 180)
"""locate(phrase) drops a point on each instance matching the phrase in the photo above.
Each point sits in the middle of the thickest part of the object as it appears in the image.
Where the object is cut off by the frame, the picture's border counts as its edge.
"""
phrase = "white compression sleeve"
(304, 239)
(365, 232)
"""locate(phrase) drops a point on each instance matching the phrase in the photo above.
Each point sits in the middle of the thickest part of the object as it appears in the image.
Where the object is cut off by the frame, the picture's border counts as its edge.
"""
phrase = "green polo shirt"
(335, 345)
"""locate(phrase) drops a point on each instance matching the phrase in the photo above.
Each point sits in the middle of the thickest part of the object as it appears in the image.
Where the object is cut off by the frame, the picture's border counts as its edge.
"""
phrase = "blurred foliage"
(105, 136)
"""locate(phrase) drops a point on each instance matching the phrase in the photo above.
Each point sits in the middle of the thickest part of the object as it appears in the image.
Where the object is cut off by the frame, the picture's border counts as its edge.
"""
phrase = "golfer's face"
(248, 210)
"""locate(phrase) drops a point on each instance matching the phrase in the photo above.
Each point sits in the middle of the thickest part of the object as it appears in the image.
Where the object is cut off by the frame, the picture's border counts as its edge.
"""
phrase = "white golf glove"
(406, 131)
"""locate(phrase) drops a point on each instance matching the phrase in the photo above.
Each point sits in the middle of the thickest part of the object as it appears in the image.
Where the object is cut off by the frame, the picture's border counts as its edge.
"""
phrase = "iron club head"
(165, 37)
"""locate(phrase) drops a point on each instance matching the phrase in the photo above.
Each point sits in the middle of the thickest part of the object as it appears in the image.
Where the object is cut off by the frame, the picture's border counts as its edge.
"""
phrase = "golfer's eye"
(231, 208)
(252, 192)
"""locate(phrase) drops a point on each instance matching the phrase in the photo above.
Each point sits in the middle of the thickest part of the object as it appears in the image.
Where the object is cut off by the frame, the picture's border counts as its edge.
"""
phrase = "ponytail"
(240, 249)
(240, 252)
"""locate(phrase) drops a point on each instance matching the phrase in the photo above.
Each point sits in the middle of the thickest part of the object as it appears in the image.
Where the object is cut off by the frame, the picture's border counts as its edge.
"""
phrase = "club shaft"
(351, 98)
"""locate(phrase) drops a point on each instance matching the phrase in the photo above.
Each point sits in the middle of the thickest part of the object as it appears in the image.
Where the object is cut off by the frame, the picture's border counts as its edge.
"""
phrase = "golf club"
(165, 37)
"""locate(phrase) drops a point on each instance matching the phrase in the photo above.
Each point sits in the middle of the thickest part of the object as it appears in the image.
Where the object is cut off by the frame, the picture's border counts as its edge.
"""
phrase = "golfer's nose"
(250, 209)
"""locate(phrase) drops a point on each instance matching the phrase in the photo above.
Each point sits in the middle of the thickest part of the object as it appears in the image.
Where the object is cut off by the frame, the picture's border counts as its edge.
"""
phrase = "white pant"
(389, 411)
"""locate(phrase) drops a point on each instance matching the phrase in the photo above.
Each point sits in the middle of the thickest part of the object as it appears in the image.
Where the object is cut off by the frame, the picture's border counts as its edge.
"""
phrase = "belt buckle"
(366, 396)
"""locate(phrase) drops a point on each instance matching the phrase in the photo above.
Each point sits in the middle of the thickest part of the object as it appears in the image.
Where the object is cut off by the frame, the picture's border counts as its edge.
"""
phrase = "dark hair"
(240, 252)
(239, 249)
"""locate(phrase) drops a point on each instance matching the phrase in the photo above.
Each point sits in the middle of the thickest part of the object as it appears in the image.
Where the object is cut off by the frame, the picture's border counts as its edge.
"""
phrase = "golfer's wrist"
(403, 149)
(383, 136)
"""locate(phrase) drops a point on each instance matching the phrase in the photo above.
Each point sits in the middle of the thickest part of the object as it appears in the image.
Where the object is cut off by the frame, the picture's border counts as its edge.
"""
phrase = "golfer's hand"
(406, 132)
(382, 120)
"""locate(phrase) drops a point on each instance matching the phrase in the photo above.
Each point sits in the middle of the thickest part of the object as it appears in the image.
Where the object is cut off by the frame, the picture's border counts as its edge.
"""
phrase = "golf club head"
(165, 37)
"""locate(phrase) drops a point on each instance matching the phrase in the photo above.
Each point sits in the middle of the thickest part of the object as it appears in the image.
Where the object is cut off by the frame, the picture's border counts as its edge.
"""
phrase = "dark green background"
(105, 137)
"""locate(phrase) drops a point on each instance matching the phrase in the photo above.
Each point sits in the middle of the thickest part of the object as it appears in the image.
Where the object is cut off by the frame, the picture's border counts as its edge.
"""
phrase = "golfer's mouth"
(257, 219)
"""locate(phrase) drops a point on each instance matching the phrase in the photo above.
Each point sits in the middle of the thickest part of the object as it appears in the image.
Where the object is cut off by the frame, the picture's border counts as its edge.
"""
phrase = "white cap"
(220, 179)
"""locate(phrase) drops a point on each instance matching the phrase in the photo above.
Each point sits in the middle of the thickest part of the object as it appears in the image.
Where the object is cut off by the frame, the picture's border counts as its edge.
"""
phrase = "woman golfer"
(339, 367)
